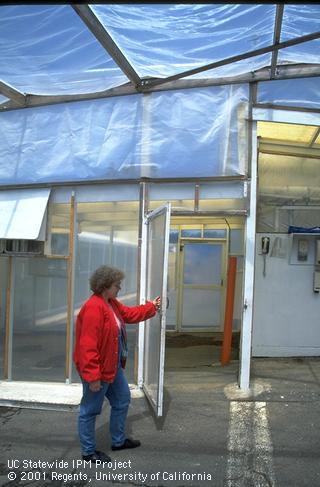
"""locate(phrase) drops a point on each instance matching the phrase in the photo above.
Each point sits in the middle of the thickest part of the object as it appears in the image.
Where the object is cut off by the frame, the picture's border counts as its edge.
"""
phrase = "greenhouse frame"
(162, 139)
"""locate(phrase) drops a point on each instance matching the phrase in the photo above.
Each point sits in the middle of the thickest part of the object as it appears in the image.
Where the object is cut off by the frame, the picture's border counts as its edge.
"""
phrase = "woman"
(100, 355)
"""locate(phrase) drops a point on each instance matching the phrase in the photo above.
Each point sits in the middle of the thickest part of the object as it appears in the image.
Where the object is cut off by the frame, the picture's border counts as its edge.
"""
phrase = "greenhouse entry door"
(154, 282)
(201, 285)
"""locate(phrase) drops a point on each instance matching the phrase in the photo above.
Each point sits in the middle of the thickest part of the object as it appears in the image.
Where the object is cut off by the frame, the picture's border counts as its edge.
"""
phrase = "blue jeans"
(118, 394)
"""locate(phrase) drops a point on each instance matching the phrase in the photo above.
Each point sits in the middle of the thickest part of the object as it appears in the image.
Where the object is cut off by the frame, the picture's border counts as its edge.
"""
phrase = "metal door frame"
(199, 241)
(158, 408)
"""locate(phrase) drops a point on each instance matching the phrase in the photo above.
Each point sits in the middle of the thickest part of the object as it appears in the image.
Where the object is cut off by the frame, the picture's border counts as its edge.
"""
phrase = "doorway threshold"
(54, 396)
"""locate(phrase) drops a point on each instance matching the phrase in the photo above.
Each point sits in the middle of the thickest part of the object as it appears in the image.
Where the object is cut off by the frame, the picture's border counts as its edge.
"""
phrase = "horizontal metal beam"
(101, 34)
(283, 73)
(233, 59)
(87, 182)
(283, 149)
(14, 95)
(209, 213)
(292, 108)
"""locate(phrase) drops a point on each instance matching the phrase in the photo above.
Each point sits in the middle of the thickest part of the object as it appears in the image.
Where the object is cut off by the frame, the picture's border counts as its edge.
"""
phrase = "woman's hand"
(157, 302)
(95, 386)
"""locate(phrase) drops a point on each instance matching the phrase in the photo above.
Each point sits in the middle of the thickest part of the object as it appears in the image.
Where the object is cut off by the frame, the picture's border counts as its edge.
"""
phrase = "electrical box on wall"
(318, 252)
(316, 281)
(303, 249)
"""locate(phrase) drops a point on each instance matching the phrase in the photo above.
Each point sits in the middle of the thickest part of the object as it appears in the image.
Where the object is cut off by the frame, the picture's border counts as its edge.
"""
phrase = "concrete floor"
(211, 434)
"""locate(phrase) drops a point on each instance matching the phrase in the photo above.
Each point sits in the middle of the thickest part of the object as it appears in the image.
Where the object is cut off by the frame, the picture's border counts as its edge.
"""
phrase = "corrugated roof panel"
(286, 132)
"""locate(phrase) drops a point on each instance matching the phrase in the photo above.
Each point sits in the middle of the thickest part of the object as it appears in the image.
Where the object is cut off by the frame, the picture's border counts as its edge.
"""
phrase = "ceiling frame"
(285, 72)
(276, 39)
(102, 35)
(13, 94)
(233, 59)
(136, 84)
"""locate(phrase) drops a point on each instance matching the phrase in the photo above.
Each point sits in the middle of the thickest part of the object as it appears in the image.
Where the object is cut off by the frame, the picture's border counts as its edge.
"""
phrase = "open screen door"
(156, 248)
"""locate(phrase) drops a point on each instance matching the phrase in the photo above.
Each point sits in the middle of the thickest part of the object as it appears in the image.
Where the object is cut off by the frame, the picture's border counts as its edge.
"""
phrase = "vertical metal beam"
(248, 286)
(70, 291)
(276, 39)
(196, 197)
(8, 323)
(142, 261)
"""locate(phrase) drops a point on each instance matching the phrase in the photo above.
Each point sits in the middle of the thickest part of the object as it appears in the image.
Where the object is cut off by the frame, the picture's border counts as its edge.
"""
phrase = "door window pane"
(202, 264)
(212, 233)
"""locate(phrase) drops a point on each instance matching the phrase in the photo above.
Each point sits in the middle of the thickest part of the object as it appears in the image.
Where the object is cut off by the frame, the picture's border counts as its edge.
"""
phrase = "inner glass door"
(203, 269)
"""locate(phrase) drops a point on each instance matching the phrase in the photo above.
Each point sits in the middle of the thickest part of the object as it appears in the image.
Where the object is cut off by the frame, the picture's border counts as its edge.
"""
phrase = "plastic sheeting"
(47, 49)
(302, 92)
(190, 133)
(164, 39)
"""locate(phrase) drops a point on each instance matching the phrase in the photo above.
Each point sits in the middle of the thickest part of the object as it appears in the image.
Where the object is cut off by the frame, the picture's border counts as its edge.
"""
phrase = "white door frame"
(268, 115)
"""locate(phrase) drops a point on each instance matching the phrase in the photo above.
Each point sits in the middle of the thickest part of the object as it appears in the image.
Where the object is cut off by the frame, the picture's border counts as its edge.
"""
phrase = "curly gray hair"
(103, 278)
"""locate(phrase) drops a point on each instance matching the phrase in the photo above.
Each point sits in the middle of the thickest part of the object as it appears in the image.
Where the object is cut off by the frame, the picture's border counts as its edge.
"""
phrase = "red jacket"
(96, 348)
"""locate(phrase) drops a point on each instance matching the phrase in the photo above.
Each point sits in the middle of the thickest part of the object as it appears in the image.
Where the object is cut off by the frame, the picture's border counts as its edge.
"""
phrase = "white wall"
(286, 319)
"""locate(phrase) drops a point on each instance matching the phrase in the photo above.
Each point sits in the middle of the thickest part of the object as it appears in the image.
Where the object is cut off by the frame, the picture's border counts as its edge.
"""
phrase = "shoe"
(128, 443)
(97, 455)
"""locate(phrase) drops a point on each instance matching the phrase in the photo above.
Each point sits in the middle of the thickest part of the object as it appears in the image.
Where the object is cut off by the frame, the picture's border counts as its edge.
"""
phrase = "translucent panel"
(287, 132)
(318, 140)
(301, 92)
(299, 20)
(108, 235)
(107, 192)
(57, 242)
(288, 178)
(39, 319)
(185, 133)
(16, 207)
(202, 264)
(163, 39)
(3, 290)
(179, 205)
(47, 49)
(223, 204)
(222, 190)
(236, 241)
(201, 308)
(301, 53)
(197, 133)
(171, 191)
(153, 348)
(71, 142)
(191, 233)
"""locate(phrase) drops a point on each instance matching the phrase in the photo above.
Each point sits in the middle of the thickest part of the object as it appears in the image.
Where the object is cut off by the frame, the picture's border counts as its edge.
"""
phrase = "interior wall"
(286, 310)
